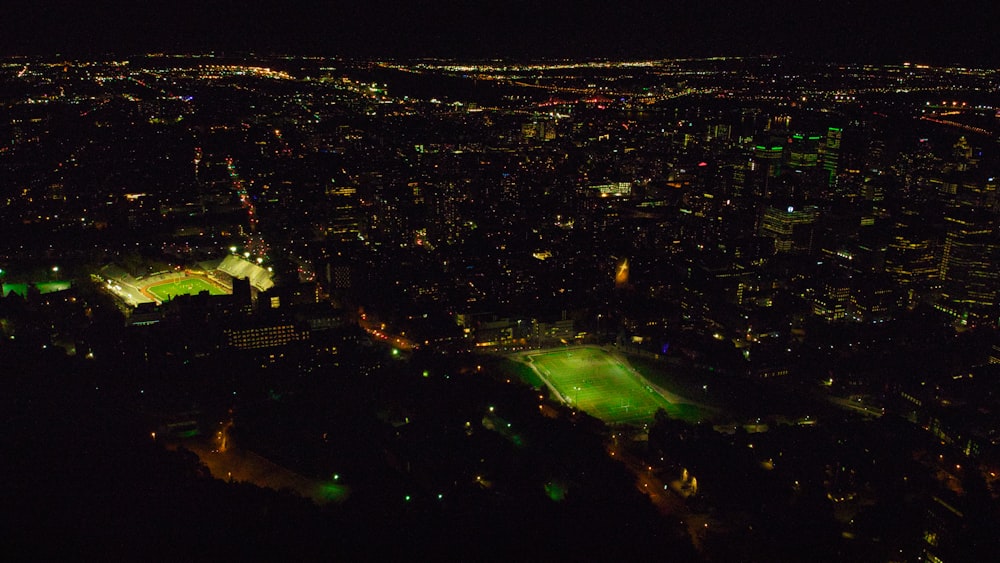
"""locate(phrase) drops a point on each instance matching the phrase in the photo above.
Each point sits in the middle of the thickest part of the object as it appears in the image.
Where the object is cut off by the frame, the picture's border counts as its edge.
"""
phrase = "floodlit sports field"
(185, 286)
(603, 386)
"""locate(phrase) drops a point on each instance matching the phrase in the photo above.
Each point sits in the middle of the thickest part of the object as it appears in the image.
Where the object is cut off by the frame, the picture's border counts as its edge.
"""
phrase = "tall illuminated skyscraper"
(767, 159)
(344, 211)
(969, 262)
(765, 166)
(803, 151)
(911, 259)
(830, 154)
(791, 228)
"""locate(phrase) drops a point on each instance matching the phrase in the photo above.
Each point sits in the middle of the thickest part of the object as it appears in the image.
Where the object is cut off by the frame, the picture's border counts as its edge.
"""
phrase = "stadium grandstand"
(216, 277)
(234, 267)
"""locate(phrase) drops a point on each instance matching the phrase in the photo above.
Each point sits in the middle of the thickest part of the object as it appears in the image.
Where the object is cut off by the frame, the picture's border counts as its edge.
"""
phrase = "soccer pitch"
(185, 286)
(604, 386)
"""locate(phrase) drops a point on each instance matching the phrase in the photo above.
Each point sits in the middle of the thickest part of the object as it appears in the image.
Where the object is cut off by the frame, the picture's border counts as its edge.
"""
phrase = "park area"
(606, 387)
(167, 290)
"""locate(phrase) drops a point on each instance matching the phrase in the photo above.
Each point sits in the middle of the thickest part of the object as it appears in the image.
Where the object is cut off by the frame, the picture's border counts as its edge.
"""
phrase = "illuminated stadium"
(605, 386)
(216, 277)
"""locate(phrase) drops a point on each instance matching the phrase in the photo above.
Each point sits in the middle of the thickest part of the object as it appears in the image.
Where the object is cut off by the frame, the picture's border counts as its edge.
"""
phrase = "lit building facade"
(791, 227)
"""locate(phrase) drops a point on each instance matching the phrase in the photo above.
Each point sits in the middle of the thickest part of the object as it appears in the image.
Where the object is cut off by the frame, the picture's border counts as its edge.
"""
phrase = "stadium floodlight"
(246, 255)
(232, 249)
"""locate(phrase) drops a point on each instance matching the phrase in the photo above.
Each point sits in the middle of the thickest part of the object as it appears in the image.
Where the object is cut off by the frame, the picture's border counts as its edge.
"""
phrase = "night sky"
(958, 31)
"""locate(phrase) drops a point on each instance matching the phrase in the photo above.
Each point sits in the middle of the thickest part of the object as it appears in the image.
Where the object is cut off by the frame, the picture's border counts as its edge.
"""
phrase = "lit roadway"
(665, 500)
(848, 404)
(648, 483)
(381, 332)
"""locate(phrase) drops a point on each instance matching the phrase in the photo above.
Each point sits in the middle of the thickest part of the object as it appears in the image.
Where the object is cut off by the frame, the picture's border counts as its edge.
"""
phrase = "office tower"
(911, 258)
(962, 154)
(969, 262)
(830, 155)
(803, 151)
(833, 299)
(791, 227)
(765, 166)
(767, 159)
(344, 212)
(874, 299)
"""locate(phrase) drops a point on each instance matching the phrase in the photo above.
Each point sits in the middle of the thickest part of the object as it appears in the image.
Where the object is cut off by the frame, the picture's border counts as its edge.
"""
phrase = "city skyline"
(958, 33)
(714, 308)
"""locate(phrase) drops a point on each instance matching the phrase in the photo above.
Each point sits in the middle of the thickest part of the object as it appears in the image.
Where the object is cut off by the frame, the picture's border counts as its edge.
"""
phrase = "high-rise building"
(791, 227)
(539, 130)
(833, 299)
(962, 154)
(911, 258)
(830, 154)
(345, 222)
(446, 201)
(875, 299)
(720, 131)
(969, 262)
(767, 159)
(765, 166)
(803, 151)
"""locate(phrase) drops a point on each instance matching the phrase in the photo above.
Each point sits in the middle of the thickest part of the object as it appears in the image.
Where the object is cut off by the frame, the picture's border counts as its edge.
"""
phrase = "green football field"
(601, 385)
(186, 286)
